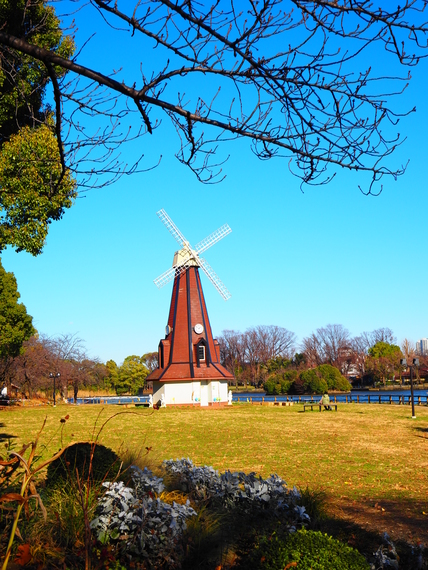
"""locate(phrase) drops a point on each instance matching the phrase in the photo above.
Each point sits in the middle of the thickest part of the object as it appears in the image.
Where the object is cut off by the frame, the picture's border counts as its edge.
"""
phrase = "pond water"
(110, 400)
(356, 396)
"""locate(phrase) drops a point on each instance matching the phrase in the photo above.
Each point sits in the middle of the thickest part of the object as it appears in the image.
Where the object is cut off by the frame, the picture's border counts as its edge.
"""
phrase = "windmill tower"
(189, 370)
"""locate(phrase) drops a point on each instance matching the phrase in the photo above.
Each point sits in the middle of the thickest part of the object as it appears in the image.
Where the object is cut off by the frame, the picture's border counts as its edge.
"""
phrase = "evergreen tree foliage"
(313, 382)
(383, 360)
(23, 79)
(33, 191)
(35, 186)
(15, 324)
(333, 377)
(129, 377)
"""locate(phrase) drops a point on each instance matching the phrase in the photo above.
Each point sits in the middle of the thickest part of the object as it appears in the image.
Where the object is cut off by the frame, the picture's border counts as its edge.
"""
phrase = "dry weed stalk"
(9, 473)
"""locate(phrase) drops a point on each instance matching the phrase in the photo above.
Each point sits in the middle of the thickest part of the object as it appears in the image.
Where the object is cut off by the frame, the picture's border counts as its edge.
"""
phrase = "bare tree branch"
(219, 76)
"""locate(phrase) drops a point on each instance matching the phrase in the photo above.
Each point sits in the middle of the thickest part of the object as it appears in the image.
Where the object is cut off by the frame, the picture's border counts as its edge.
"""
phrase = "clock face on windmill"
(198, 328)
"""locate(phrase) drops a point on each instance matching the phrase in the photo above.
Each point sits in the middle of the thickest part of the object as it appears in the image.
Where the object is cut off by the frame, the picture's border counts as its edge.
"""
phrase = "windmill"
(189, 370)
(188, 257)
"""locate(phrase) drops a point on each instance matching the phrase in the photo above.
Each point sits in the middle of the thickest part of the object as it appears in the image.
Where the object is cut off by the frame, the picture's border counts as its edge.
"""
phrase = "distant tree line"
(246, 354)
(64, 357)
(269, 356)
(266, 356)
(31, 361)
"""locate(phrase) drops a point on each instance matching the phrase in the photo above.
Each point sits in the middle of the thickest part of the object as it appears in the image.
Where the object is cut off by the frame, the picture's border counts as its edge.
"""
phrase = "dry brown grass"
(370, 460)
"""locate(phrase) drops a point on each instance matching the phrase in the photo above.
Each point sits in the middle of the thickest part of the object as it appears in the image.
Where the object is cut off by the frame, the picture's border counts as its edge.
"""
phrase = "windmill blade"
(212, 239)
(165, 278)
(170, 274)
(215, 280)
(172, 228)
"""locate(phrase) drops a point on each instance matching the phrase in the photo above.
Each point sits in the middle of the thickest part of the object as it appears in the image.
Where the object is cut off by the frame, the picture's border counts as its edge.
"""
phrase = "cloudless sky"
(296, 260)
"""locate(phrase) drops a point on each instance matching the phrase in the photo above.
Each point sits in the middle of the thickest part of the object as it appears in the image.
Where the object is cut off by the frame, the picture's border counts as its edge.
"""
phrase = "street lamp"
(403, 362)
(57, 375)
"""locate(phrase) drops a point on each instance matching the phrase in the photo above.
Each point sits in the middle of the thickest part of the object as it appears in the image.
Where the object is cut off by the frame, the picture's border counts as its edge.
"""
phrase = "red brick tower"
(189, 371)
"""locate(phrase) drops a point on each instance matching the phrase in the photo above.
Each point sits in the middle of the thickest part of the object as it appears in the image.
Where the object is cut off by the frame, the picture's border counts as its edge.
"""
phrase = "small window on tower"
(201, 352)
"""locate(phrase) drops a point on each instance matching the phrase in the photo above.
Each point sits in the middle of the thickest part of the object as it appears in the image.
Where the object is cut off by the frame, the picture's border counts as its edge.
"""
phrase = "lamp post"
(54, 376)
(403, 362)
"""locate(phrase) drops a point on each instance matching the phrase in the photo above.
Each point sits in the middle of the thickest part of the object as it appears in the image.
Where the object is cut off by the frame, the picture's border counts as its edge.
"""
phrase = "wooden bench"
(320, 406)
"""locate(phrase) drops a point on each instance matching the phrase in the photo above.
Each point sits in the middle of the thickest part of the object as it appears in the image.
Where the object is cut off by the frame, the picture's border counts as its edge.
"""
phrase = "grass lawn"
(370, 460)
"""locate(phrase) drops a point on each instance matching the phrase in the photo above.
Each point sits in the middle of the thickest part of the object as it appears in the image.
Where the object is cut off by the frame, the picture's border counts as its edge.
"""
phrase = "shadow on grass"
(231, 546)
(361, 524)
(5, 436)
(366, 540)
(234, 549)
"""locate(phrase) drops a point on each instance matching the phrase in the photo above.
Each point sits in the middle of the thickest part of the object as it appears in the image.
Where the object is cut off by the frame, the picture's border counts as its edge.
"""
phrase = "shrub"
(64, 526)
(285, 386)
(306, 550)
(343, 384)
(297, 387)
(246, 491)
(272, 386)
(139, 523)
(312, 383)
(290, 376)
(277, 385)
(105, 463)
(314, 502)
(269, 387)
(333, 377)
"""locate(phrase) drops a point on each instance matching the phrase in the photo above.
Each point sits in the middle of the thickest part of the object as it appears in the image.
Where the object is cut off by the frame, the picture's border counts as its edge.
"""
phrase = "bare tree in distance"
(264, 343)
(362, 343)
(30, 370)
(290, 76)
(311, 349)
(274, 341)
(68, 354)
(359, 354)
(67, 346)
(328, 345)
(408, 348)
(86, 372)
(247, 351)
(383, 334)
(70, 359)
(151, 360)
(232, 352)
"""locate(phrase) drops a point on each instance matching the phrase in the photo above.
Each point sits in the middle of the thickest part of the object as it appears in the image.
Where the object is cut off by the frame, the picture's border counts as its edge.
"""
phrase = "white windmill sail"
(212, 239)
(214, 278)
(188, 256)
(172, 228)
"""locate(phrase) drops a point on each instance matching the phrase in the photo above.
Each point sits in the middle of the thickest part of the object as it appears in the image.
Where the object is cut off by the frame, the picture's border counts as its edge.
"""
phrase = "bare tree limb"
(315, 101)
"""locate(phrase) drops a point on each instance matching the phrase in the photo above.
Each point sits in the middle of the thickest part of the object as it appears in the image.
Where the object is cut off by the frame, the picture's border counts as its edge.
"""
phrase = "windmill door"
(204, 393)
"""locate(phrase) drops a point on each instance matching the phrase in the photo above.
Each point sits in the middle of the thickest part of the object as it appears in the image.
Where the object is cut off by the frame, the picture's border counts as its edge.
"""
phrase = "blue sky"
(293, 259)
